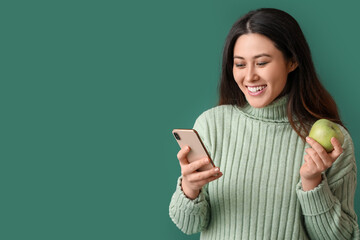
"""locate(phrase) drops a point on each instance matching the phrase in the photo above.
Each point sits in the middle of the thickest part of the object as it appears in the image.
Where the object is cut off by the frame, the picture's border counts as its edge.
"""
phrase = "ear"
(292, 65)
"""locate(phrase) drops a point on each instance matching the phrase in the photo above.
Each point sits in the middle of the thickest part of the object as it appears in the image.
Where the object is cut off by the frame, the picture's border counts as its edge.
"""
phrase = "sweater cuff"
(186, 204)
(316, 201)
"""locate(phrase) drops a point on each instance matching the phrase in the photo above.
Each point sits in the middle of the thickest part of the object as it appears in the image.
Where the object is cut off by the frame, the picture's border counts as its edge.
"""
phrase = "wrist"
(310, 183)
(189, 193)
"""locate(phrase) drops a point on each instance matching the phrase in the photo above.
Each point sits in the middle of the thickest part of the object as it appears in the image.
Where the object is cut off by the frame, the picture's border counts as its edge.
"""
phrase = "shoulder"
(346, 162)
(217, 112)
(348, 145)
(213, 117)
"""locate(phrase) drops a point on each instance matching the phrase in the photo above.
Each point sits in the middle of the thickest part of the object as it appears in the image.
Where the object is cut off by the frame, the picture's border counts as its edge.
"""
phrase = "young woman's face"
(260, 69)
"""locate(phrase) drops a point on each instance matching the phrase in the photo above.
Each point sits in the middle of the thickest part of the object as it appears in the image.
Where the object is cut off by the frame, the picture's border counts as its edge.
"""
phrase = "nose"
(251, 74)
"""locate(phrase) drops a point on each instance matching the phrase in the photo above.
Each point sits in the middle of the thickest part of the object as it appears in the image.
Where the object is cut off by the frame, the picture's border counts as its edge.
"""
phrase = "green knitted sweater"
(259, 195)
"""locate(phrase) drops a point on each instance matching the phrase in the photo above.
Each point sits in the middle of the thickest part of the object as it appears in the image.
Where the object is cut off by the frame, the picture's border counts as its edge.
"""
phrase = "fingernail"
(216, 169)
(308, 139)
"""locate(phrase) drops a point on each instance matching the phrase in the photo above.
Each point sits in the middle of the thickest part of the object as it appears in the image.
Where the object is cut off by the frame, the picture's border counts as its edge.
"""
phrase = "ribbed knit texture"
(259, 195)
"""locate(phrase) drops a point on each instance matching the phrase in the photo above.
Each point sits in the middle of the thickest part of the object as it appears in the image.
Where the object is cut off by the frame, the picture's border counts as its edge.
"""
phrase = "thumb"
(338, 150)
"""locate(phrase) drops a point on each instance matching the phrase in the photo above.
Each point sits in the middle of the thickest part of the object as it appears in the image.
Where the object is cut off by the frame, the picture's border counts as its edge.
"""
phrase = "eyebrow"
(257, 56)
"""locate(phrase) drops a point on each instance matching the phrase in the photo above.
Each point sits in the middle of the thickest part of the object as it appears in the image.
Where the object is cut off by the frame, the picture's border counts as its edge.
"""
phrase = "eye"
(262, 63)
(240, 65)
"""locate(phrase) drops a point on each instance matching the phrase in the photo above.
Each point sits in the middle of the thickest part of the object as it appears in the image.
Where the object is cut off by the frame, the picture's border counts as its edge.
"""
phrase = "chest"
(257, 160)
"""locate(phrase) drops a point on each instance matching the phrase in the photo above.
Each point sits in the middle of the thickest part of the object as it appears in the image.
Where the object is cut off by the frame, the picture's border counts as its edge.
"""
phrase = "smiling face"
(260, 69)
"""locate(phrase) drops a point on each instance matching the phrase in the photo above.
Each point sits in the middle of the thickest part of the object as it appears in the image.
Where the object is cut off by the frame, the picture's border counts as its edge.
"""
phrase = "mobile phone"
(190, 137)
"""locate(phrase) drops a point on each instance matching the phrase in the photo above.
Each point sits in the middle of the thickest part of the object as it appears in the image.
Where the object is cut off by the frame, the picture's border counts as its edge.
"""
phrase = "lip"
(256, 93)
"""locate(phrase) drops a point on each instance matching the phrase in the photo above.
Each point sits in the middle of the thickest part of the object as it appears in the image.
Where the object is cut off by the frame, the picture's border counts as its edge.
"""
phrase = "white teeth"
(256, 89)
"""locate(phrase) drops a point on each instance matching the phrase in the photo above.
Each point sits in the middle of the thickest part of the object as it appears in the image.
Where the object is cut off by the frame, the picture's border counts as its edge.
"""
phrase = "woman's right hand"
(192, 180)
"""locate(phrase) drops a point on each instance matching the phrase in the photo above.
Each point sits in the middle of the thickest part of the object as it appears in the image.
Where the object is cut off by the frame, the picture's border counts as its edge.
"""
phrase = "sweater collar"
(274, 112)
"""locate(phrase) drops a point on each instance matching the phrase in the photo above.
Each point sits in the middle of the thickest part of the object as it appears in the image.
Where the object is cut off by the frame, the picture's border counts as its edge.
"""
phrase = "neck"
(274, 112)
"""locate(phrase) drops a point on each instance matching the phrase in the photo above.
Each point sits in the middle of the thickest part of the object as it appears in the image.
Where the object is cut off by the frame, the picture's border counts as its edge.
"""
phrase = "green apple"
(323, 130)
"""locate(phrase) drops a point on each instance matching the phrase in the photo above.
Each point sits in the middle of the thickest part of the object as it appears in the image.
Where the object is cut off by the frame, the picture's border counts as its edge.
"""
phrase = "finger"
(309, 165)
(182, 155)
(317, 147)
(338, 150)
(217, 176)
(210, 179)
(192, 167)
(315, 158)
(200, 176)
(327, 161)
(309, 162)
(325, 156)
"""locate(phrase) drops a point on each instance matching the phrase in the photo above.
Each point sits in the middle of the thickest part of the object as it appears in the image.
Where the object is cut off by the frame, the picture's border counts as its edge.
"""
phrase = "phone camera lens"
(177, 136)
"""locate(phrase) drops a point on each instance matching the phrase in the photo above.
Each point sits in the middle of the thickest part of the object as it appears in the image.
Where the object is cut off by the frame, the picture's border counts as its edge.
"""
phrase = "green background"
(90, 91)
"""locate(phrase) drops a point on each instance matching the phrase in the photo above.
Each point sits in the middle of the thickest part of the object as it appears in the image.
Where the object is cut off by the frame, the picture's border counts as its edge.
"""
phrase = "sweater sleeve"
(191, 216)
(328, 209)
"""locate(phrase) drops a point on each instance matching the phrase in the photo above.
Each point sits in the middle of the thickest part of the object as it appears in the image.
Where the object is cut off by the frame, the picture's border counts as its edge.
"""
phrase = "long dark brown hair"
(308, 99)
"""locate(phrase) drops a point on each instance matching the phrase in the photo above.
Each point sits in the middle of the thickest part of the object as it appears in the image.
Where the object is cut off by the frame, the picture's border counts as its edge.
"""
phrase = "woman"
(271, 180)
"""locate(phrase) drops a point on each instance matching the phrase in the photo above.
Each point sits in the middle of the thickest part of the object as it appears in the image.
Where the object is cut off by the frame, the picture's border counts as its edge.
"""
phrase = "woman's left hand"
(317, 160)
